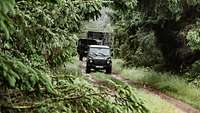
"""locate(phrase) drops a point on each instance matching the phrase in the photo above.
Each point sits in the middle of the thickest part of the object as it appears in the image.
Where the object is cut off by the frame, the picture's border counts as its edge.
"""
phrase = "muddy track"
(185, 108)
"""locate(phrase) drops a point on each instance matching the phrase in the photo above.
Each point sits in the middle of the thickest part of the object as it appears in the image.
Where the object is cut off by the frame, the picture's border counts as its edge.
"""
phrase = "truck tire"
(88, 70)
(80, 57)
(108, 70)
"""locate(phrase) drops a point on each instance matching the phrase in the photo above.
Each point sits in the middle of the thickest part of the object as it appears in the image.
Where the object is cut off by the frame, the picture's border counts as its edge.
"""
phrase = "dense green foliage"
(73, 94)
(47, 30)
(6, 6)
(35, 36)
(163, 35)
(43, 34)
(157, 32)
(78, 95)
(17, 75)
(38, 38)
(37, 42)
(193, 37)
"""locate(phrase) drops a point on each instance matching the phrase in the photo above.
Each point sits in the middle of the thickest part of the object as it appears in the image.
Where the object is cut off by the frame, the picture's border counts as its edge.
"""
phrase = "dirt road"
(183, 107)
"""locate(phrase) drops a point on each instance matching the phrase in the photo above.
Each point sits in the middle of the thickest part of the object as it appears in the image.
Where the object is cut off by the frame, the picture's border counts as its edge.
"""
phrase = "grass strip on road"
(170, 84)
(152, 102)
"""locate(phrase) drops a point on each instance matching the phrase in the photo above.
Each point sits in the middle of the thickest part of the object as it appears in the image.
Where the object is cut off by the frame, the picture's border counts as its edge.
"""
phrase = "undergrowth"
(18, 75)
(77, 95)
(70, 93)
(173, 85)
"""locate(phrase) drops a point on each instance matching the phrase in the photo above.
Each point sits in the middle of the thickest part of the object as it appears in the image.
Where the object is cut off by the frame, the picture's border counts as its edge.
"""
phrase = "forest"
(155, 46)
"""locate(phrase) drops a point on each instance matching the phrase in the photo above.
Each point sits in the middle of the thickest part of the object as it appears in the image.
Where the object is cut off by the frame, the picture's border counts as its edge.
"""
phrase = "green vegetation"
(17, 75)
(155, 104)
(38, 45)
(173, 85)
(72, 94)
(157, 33)
(159, 43)
(6, 7)
(78, 95)
(152, 102)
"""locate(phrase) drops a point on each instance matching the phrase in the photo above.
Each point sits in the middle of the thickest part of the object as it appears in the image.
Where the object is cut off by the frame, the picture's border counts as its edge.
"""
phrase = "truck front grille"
(99, 62)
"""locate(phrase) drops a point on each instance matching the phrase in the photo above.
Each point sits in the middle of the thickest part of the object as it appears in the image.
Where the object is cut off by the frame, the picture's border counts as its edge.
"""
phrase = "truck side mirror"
(112, 54)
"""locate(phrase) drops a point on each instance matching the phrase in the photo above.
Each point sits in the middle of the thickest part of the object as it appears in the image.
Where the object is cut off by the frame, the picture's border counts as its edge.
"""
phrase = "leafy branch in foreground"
(80, 96)
(43, 36)
(18, 75)
(6, 6)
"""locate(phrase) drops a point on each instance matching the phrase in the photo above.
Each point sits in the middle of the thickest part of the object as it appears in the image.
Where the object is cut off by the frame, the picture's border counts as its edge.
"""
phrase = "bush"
(18, 75)
(193, 76)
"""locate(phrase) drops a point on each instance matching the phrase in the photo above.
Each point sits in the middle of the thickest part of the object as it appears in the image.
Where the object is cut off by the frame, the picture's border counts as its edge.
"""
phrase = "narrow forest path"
(181, 106)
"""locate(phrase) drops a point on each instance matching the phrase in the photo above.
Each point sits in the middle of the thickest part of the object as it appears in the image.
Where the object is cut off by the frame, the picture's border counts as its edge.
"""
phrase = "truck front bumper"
(102, 65)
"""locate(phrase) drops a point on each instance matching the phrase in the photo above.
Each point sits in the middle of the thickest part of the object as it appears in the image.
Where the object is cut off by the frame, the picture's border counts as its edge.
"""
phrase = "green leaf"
(11, 80)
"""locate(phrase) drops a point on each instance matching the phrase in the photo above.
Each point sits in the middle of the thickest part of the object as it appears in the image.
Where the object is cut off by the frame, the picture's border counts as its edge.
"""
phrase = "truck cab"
(99, 57)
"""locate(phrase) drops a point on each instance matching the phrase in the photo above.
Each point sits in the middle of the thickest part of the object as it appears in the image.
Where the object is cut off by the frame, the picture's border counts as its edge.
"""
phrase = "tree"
(38, 35)
(169, 21)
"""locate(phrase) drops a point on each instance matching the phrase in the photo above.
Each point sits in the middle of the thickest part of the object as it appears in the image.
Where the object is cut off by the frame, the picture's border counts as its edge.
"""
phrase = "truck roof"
(100, 46)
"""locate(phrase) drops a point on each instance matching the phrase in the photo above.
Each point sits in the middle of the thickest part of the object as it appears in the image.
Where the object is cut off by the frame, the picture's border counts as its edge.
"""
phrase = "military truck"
(91, 38)
(104, 37)
(99, 57)
(83, 46)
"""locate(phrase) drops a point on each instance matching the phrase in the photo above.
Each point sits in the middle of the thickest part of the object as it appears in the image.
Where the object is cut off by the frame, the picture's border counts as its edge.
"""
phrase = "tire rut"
(185, 108)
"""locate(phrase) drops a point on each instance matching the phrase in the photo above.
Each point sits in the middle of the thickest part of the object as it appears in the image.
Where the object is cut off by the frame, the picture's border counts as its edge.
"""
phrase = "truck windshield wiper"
(102, 54)
(92, 53)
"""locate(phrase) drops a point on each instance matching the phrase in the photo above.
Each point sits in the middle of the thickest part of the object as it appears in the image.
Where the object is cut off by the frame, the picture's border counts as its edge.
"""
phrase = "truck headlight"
(90, 60)
(108, 60)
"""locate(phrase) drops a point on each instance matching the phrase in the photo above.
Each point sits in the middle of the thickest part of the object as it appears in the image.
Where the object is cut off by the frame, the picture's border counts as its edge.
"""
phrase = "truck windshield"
(99, 51)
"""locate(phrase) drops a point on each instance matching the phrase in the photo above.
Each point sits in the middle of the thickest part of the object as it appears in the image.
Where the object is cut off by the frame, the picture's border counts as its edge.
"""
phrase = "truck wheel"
(109, 70)
(88, 70)
(81, 58)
